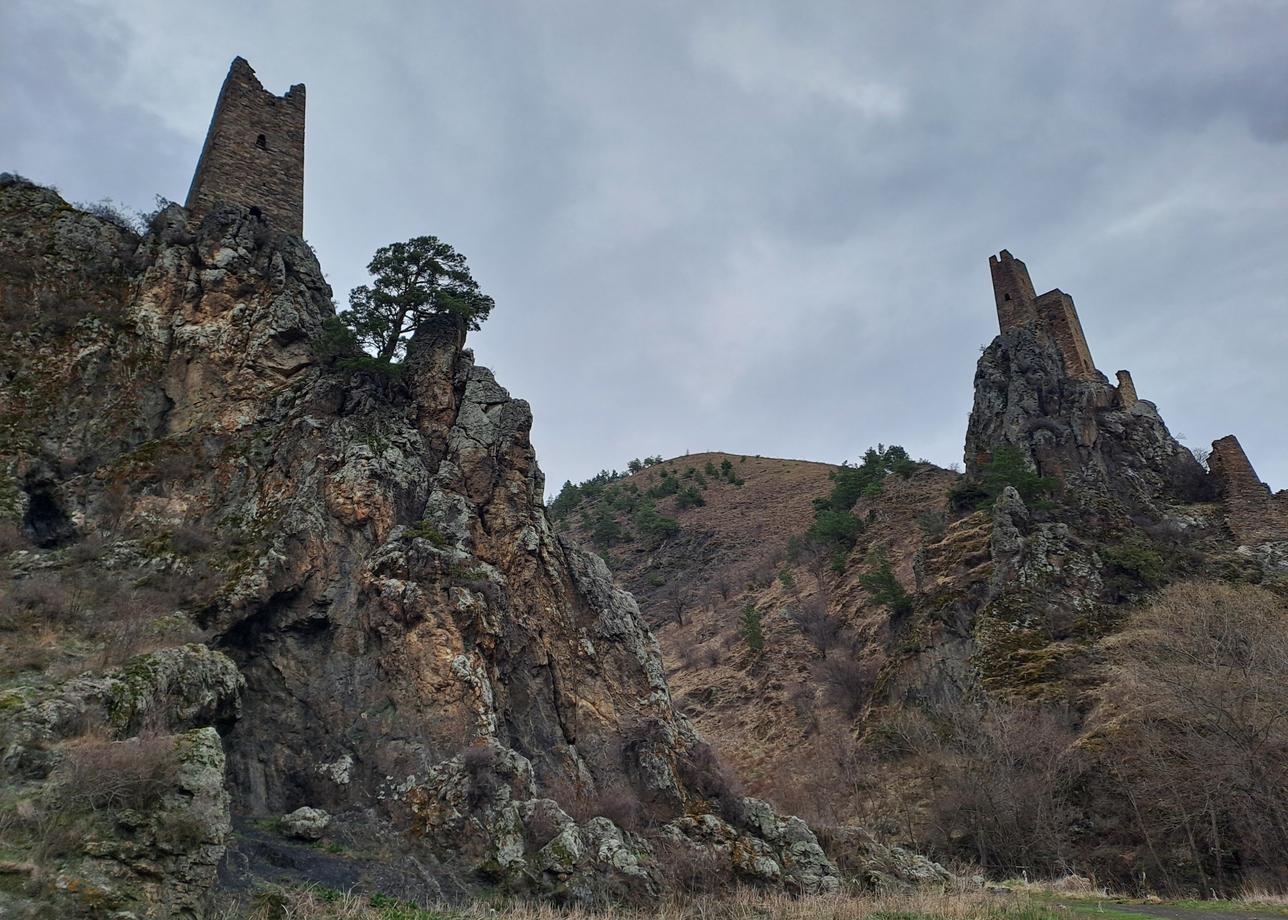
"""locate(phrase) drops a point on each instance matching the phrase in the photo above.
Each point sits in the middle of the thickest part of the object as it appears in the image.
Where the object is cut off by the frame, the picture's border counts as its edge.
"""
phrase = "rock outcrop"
(1077, 429)
(366, 554)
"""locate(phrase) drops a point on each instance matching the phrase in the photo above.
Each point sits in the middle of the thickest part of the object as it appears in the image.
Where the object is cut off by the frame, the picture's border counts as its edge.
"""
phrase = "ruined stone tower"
(1052, 314)
(1253, 514)
(254, 152)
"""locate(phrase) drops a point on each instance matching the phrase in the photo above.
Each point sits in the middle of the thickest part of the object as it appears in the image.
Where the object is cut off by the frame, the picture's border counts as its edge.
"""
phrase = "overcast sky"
(746, 226)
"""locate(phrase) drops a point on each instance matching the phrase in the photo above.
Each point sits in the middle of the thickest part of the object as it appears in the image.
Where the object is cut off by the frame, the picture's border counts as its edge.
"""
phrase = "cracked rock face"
(378, 563)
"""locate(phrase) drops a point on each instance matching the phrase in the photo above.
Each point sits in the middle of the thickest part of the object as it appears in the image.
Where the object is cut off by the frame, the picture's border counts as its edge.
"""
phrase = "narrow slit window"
(261, 142)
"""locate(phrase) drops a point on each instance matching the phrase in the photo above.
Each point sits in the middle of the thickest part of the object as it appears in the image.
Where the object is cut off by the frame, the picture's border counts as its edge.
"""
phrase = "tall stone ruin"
(1037, 389)
(254, 152)
(1052, 314)
(1252, 512)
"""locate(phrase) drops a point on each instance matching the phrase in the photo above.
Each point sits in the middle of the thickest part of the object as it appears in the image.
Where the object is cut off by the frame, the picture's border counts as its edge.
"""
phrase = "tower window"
(1004, 297)
(261, 142)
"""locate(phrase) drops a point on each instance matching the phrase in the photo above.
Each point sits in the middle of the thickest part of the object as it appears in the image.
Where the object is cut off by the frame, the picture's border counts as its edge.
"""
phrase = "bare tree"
(677, 598)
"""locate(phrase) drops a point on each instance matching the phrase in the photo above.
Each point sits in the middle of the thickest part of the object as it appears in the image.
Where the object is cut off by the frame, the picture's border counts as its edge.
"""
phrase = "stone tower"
(254, 152)
(1052, 314)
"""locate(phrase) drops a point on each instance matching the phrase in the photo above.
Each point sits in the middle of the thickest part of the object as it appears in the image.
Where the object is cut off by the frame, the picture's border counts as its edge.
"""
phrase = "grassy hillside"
(892, 644)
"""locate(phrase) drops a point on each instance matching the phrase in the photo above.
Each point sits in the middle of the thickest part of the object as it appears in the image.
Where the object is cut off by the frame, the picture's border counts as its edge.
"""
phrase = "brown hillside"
(785, 718)
(737, 536)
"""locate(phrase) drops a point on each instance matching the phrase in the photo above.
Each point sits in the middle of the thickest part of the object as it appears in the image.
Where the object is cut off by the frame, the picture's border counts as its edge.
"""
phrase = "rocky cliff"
(382, 625)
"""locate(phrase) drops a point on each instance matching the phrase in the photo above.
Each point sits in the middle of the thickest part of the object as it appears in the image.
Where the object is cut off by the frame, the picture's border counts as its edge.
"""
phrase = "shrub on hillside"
(1132, 566)
(933, 524)
(703, 772)
(1007, 466)
(99, 773)
(606, 531)
(835, 528)
(12, 538)
(1196, 700)
(846, 679)
(653, 527)
(822, 630)
(1008, 793)
(885, 588)
(849, 483)
(751, 630)
(689, 497)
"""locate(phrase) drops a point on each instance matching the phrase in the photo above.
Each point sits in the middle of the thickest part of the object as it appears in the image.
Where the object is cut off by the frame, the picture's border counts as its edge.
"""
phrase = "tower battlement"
(254, 152)
(1052, 314)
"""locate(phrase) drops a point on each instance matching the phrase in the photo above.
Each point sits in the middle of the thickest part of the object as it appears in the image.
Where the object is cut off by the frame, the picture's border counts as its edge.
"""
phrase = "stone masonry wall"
(1013, 291)
(254, 152)
(1059, 319)
(1126, 390)
(1253, 514)
(1053, 314)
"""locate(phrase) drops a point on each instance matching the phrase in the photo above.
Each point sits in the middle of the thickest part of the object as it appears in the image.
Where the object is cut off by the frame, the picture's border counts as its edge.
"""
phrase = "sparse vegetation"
(847, 680)
(885, 587)
(1007, 466)
(699, 881)
(834, 525)
(751, 629)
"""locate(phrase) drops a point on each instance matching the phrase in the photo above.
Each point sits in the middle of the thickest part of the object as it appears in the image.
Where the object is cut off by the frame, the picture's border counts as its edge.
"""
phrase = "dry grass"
(1258, 896)
(740, 905)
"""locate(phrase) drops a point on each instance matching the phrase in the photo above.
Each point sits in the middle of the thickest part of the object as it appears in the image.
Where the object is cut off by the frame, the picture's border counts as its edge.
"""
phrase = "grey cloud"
(755, 226)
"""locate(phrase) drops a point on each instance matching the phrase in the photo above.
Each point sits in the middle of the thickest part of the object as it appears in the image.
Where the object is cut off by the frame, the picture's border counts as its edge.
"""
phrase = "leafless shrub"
(688, 868)
(480, 760)
(621, 804)
(847, 680)
(131, 623)
(1006, 793)
(12, 538)
(1197, 692)
(115, 214)
(904, 733)
(821, 629)
(191, 539)
(99, 773)
(543, 825)
(183, 588)
(113, 504)
(801, 697)
(176, 466)
(87, 549)
(676, 599)
(50, 597)
(724, 587)
(60, 313)
(615, 801)
(703, 772)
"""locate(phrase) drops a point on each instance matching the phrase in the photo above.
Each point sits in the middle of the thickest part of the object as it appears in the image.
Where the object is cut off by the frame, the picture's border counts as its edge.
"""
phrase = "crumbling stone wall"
(1052, 314)
(1126, 390)
(1253, 514)
(254, 152)
(1058, 317)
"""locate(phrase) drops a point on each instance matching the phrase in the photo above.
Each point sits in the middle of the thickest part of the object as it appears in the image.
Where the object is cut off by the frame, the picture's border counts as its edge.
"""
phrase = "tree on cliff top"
(412, 281)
